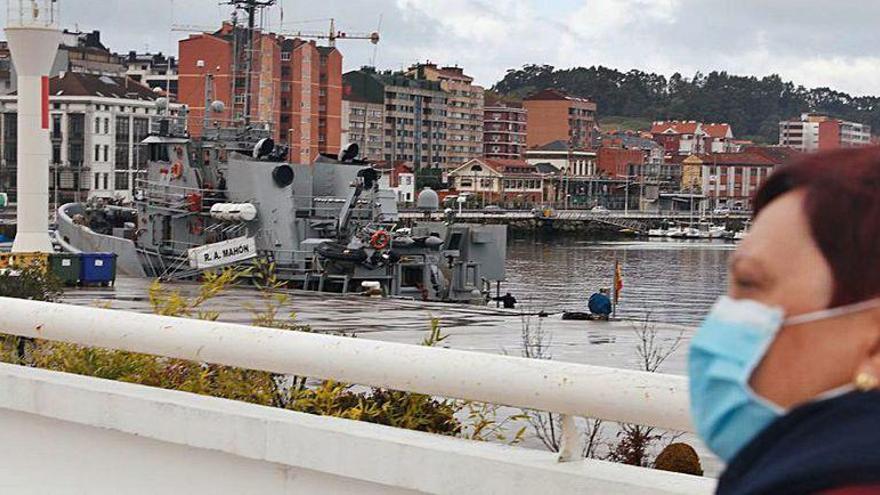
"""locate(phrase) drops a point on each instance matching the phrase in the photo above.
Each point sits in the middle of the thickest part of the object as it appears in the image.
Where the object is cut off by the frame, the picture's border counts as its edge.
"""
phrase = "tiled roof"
(493, 100)
(716, 130)
(81, 84)
(675, 127)
(742, 158)
(558, 145)
(509, 165)
(777, 154)
(628, 141)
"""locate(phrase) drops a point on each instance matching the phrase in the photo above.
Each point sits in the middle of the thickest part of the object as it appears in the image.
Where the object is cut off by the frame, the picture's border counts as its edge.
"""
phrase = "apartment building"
(294, 87)
(153, 70)
(97, 123)
(727, 179)
(363, 123)
(504, 129)
(415, 115)
(553, 115)
(465, 110)
(814, 132)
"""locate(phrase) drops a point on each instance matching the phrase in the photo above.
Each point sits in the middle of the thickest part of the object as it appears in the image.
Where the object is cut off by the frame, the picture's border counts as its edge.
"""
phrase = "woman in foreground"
(785, 370)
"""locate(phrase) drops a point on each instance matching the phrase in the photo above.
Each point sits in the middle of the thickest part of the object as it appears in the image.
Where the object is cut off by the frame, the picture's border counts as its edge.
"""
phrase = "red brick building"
(295, 87)
(613, 161)
(556, 116)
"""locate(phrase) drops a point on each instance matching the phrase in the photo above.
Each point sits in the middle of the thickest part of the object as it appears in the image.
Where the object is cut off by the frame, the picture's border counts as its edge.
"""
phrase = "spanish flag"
(618, 281)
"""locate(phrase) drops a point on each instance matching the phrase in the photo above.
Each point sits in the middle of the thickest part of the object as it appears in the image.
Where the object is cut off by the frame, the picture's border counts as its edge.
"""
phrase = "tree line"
(753, 106)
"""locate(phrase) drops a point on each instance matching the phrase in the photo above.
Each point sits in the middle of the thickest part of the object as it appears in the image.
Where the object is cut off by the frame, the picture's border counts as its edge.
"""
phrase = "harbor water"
(665, 280)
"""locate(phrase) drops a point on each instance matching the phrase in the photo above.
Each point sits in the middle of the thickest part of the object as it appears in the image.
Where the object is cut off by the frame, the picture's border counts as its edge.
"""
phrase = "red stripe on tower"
(45, 93)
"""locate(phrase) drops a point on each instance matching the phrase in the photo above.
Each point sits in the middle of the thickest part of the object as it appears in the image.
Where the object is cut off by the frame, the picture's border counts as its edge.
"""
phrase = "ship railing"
(569, 389)
(175, 198)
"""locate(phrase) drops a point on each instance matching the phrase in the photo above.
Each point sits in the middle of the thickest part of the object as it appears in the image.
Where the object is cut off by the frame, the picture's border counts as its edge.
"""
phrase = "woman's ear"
(867, 375)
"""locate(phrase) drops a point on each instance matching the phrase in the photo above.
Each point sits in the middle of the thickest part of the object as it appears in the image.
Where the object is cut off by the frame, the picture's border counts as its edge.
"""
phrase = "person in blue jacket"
(785, 369)
(600, 304)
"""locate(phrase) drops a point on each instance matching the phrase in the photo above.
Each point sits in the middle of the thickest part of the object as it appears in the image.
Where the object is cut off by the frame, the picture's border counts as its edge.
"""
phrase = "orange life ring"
(194, 201)
(380, 239)
(196, 226)
(176, 170)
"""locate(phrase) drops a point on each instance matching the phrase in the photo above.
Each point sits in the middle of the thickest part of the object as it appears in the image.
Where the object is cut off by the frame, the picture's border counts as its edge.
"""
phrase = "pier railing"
(572, 390)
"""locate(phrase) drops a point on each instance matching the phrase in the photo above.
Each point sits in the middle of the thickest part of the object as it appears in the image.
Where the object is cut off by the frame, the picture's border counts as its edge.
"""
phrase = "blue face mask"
(724, 352)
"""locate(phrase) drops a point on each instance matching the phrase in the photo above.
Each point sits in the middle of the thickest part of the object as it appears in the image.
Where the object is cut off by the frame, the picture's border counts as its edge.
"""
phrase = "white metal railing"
(566, 388)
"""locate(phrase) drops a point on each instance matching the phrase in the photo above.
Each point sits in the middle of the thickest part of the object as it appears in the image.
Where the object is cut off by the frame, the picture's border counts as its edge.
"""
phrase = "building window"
(106, 153)
(97, 125)
(56, 127)
(97, 152)
(97, 181)
(285, 56)
(121, 181)
(106, 181)
(107, 126)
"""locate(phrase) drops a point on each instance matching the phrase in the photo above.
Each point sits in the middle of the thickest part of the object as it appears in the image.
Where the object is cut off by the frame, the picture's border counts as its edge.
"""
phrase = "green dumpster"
(66, 266)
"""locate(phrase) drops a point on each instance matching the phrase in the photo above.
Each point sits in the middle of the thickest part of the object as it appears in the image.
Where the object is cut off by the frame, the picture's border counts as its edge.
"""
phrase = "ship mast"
(251, 8)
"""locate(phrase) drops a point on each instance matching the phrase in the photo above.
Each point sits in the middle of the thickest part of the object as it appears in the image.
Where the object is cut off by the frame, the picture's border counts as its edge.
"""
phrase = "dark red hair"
(842, 204)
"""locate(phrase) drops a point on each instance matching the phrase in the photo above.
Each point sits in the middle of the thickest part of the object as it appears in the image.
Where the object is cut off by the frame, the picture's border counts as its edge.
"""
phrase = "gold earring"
(866, 382)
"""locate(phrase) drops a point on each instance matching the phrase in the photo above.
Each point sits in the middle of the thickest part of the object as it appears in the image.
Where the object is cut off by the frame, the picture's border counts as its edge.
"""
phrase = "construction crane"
(332, 35)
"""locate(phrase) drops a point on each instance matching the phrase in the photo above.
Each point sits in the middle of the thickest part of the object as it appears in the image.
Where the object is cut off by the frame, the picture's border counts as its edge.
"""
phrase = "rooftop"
(555, 94)
(741, 158)
(675, 127)
(82, 84)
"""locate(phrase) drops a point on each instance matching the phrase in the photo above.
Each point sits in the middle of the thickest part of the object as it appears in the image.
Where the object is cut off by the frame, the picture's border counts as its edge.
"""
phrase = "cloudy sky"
(812, 42)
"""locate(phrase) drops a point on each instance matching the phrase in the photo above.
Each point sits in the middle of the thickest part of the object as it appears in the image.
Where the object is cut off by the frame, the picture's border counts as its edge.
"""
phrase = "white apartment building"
(96, 123)
(813, 132)
(153, 70)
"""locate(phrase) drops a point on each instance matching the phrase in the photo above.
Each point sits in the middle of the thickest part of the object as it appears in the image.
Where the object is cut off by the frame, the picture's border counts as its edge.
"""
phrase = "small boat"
(657, 232)
(676, 232)
(691, 233)
(710, 231)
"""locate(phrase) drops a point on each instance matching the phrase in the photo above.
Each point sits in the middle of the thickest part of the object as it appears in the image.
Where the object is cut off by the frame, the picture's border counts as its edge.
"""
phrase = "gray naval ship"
(229, 197)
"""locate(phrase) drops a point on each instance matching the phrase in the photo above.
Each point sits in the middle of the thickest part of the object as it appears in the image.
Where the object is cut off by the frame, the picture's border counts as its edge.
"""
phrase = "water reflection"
(672, 281)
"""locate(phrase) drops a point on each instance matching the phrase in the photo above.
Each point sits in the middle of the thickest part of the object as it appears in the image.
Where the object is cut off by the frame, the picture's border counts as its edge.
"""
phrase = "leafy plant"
(30, 282)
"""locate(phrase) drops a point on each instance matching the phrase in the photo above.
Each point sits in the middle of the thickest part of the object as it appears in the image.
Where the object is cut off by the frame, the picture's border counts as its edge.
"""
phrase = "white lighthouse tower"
(33, 35)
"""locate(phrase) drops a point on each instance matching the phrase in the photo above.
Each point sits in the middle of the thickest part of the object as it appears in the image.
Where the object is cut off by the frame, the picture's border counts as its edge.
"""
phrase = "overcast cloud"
(812, 42)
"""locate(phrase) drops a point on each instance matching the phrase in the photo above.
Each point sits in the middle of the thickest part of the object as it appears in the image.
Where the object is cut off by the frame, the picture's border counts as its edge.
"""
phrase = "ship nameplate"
(222, 253)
